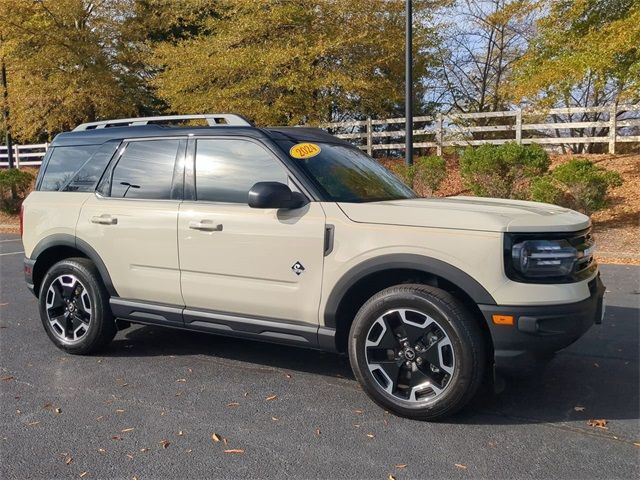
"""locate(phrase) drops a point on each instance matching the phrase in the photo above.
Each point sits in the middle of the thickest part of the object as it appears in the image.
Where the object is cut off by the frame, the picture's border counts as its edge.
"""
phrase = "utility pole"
(5, 112)
(408, 84)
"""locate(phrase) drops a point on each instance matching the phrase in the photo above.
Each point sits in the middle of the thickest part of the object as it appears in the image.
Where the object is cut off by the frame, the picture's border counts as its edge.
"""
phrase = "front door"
(237, 260)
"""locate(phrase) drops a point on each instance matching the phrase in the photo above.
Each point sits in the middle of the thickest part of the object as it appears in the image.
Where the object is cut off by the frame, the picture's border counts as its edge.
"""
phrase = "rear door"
(256, 263)
(132, 221)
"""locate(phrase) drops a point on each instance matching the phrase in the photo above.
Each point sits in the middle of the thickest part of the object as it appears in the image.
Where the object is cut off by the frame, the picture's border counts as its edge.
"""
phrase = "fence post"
(519, 126)
(439, 134)
(612, 129)
(369, 137)
(17, 156)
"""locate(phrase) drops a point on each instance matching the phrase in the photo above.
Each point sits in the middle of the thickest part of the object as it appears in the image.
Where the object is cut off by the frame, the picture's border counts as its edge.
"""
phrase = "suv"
(290, 235)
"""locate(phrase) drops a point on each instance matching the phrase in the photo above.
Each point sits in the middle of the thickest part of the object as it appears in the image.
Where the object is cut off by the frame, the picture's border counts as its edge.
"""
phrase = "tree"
(586, 53)
(482, 40)
(301, 62)
(63, 66)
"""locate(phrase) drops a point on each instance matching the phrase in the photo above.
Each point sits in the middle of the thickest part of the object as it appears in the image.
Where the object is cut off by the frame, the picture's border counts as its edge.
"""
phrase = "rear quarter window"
(63, 165)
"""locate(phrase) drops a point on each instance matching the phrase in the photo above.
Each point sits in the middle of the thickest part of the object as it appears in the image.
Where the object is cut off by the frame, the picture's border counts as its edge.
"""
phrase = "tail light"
(21, 220)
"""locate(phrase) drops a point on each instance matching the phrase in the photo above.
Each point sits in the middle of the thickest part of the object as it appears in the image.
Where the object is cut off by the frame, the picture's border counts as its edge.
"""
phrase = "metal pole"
(408, 84)
(5, 112)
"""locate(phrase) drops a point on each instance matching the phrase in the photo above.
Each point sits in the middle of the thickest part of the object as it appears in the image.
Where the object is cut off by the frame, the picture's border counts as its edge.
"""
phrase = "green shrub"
(431, 172)
(14, 187)
(503, 171)
(406, 173)
(578, 184)
(425, 175)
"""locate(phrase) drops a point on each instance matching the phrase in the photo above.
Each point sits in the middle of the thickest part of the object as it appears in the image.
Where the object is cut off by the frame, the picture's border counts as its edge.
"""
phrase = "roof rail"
(213, 119)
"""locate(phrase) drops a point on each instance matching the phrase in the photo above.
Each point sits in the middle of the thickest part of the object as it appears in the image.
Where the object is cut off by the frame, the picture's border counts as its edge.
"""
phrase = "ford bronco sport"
(293, 236)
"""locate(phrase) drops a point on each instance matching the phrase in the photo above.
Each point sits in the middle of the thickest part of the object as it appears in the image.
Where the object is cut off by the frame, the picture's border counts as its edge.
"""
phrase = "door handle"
(206, 226)
(104, 219)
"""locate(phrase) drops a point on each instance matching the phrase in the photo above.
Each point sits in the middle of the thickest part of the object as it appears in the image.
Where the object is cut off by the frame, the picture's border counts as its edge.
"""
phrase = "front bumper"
(540, 331)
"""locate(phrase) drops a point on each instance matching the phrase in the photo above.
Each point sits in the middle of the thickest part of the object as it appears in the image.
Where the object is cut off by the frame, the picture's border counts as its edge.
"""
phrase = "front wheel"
(74, 307)
(417, 351)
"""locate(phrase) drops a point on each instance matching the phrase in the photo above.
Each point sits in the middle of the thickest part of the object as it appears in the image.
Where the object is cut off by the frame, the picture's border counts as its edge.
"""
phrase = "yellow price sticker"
(304, 150)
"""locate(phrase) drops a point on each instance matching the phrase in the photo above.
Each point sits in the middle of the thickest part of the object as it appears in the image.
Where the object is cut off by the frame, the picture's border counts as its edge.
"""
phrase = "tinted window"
(63, 164)
(87, 177)
(145, 170)
(227, 169)
(346, 174)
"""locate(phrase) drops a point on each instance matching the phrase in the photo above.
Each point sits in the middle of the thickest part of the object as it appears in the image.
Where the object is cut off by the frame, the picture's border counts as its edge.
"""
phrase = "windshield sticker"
(304, 150)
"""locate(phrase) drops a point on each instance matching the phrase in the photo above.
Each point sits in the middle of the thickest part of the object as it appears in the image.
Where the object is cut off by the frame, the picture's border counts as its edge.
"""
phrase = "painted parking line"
(11, 253)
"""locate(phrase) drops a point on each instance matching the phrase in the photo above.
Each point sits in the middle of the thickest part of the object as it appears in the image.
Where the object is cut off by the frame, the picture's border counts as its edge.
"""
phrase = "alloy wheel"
(410, 356)
(68, 308)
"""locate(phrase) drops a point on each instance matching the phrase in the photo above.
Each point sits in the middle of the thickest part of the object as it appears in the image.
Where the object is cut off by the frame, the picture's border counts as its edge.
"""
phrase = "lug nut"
(408, 364)
(434, 369)
(405, 344)
(419, 361)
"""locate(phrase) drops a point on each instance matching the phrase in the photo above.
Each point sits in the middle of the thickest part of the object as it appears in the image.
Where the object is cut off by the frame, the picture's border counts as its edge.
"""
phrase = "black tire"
(100, 327)
(464, 348)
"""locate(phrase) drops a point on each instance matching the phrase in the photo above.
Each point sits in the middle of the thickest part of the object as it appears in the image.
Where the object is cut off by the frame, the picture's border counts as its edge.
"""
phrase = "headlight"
(544, 258)
(549, 257)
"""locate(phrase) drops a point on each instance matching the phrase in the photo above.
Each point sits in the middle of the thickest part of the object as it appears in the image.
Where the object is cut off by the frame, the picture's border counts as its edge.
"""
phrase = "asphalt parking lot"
(148, 406)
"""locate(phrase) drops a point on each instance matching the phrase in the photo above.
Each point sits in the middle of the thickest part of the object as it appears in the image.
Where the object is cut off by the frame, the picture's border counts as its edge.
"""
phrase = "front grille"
(584, 243)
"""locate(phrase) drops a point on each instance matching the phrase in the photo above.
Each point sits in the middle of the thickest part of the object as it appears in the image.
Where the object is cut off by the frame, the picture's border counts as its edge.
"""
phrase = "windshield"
(345, 174)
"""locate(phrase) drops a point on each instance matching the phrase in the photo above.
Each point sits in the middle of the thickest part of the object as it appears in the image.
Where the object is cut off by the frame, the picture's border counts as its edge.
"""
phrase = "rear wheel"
(417, 351)
(74, 307)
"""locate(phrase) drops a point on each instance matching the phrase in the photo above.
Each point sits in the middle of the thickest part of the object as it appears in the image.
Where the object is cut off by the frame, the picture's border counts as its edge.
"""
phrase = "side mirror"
(274, 195)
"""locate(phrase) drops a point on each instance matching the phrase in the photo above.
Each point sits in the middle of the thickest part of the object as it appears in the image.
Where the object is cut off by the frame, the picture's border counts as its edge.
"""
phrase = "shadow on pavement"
(600, 372)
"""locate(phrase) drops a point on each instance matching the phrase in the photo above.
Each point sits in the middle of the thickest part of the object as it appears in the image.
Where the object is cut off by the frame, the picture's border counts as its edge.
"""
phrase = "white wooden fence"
(564, 127)
(560, 127)
(24, 155)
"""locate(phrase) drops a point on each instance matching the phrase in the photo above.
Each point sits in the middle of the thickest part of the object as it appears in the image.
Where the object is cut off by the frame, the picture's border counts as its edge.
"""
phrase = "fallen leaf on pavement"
(234, 450)
(129, 456)
(83, 474)
(181, 380)
(68, 460)
(370, 435)
(637, 444)
(271, 397)
(391, 477)
(7, 378)
(119, 410)
(318, 431)
(275, 419)
(116, 437)
(598, 423)
(215, 437)
(233, 404)
(459, 465)
(164, 443)
(401, 465)
(33, 423)
(359, 412)
(125, 430)
(101, 450)
(288, 375)
(58, 410)
(144, 450)
(180, 433)
(579, 408)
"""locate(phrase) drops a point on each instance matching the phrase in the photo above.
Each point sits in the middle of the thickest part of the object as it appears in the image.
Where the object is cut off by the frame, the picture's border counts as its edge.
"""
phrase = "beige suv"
(290, 235)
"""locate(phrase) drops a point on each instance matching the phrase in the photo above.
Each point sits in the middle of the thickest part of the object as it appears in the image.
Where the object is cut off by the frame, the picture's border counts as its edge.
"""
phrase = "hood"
(469, 213)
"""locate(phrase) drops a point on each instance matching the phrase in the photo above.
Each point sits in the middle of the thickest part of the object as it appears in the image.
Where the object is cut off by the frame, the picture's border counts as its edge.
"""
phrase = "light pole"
(408, 84)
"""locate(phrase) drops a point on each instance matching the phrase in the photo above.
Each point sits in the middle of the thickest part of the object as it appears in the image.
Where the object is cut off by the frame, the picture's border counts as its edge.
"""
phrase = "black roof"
(100, 135)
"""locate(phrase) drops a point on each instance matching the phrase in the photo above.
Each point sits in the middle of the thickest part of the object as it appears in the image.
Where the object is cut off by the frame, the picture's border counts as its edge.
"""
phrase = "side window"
(63, 164)
(226, 169)
(145, 170)
(87, 177)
